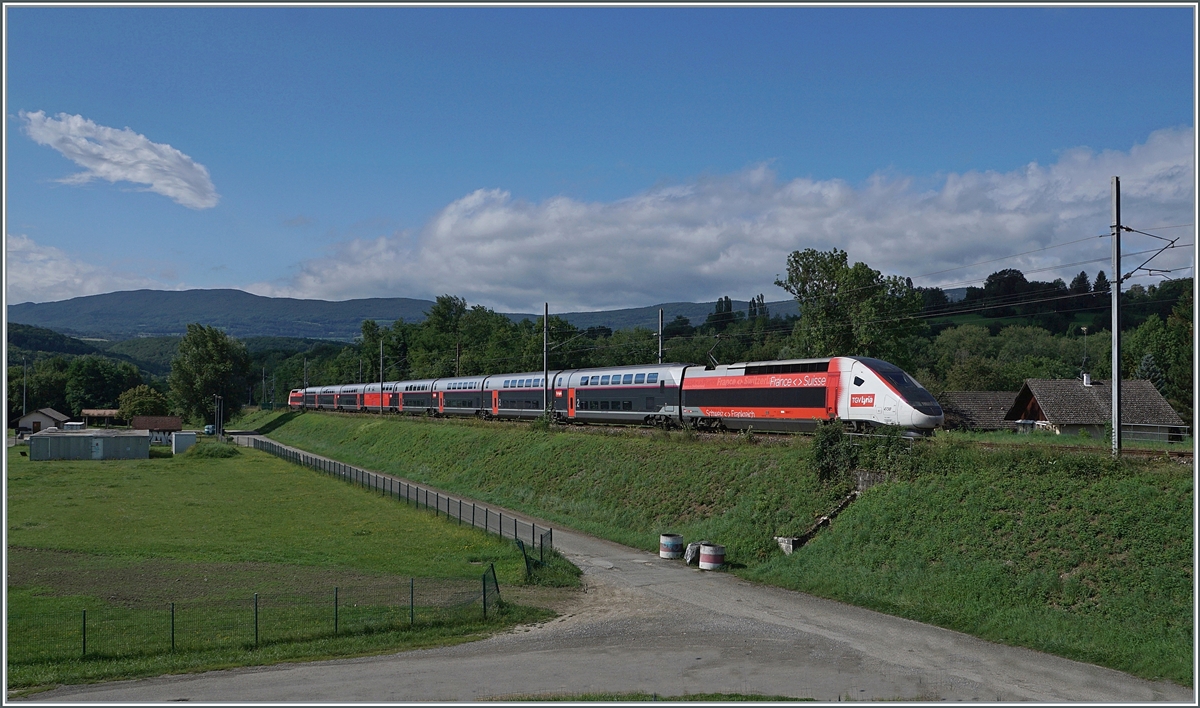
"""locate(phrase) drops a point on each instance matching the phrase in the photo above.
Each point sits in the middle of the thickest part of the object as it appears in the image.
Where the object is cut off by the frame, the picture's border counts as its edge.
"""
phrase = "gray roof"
(51, 413)
(978, 410)
(1069, 402)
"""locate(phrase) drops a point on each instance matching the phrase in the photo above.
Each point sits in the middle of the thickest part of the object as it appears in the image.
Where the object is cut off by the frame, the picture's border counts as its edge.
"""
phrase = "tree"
(1080, 284)
(850, 310)
(678, 327)
(142, 400)
(209, 363)
(96, 382)
(1147, 369)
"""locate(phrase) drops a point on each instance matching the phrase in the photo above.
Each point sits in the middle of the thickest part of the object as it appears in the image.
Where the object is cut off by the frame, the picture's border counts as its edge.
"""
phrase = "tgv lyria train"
(792, 395)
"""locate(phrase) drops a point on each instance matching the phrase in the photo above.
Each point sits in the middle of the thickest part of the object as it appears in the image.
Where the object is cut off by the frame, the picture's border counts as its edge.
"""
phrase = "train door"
(440, 400)
(570, 403)
(495, 403)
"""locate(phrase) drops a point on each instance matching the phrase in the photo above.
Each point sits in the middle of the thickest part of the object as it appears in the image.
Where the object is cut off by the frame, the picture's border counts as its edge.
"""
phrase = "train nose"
(925, 421)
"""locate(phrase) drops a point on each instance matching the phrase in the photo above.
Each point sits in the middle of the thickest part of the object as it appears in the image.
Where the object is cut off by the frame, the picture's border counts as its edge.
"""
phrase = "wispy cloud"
(37, 273)
(123, 156)
(730, 235)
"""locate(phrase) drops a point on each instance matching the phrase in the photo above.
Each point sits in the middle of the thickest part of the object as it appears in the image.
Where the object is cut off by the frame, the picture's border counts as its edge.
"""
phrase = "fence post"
(472, 514)
(172, 626)
(412, 612)
(500, 525)
(436, 503)
(85, 630)
(484, 596)
(255, 619)
(335, 611)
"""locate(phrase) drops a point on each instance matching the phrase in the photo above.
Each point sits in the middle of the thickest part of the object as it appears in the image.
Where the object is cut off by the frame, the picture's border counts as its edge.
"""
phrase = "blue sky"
(593, 157)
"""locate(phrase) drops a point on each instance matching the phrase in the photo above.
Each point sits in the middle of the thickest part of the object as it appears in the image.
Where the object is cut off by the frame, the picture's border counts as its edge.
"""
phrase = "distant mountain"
(158, 313)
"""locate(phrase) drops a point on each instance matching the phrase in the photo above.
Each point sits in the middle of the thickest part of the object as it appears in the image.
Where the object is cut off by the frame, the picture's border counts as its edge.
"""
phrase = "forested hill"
(153, 313)
(141, 313)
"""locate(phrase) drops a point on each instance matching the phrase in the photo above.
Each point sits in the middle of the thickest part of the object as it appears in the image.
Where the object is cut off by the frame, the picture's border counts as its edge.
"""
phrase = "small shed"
(160, 427)
(41, 419)
(1068, 406)
(180, 442)
(91, 444)
(978, 410)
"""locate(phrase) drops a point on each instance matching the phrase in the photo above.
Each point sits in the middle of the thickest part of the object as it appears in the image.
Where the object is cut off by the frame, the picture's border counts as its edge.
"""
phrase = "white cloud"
(35, 273)
(123, 156)
(730, 235)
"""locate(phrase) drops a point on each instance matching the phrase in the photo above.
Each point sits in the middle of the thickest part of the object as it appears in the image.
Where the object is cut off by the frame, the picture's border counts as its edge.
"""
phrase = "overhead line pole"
(546, 358)
(1116, 317)
(660, 334)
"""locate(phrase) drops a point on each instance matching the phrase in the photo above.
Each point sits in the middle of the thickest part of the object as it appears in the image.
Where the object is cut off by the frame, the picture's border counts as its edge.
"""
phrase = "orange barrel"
(712, 556)
(670, 545)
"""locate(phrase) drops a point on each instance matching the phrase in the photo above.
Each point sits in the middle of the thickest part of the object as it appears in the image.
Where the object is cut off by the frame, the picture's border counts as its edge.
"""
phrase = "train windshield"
(913, 392)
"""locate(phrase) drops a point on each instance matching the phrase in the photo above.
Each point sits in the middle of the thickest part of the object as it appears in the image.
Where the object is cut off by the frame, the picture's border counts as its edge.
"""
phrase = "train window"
(626, 405)
(603, 380)
(559, 381)
(583, 381)
(627, 379)
(640, 378)
(858, 381)
(649, 403)
(603, 405)
(652, 378)
(595, 380)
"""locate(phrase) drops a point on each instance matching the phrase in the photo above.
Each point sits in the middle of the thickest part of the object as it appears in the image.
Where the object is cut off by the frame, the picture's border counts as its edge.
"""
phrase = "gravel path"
(653, 625)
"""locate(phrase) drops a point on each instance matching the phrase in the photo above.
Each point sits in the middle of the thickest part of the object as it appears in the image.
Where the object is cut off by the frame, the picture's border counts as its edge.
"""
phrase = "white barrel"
(712, 556)
(670, 545)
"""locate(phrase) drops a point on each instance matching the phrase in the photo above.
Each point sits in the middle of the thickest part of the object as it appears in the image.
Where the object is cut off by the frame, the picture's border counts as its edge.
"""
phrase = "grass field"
(124, 539)
(1062, 551)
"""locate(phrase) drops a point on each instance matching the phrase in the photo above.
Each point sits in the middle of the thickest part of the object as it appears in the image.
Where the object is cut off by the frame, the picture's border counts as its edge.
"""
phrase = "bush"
(832, 453)
(213, 451)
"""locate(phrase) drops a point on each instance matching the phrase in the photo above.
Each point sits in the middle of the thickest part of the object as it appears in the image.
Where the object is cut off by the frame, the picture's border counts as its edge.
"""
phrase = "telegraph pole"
(1116, 317)
(24, 385)
(546, 358)
(381, 376)
(660, 335)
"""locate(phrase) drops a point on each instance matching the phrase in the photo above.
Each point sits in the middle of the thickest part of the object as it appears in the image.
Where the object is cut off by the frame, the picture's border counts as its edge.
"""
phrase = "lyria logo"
(862, 400)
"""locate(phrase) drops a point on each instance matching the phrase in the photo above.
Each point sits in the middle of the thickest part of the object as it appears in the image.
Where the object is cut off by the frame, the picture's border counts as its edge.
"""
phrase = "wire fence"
(464, 512)
(137, 628)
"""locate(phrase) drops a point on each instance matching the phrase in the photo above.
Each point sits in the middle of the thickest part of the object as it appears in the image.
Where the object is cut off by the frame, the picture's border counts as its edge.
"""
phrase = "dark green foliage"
(209, 363)
(96, 382)
(832, 454)
(40, 339)
(142, 400)
(848, 310)
(1149, 371)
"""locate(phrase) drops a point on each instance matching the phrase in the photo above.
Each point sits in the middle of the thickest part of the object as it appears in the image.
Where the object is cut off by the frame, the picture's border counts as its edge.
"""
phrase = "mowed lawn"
(141, 533)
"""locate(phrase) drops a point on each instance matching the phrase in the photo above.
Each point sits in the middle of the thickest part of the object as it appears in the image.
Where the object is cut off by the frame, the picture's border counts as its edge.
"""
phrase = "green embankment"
(1063, 552)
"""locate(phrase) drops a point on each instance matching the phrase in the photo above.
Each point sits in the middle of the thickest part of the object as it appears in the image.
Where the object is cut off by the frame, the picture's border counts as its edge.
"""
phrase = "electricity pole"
(660, 335)
(546, 358)
(262, 401)
(1116, 317)
(24, 385)
(381, 376)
